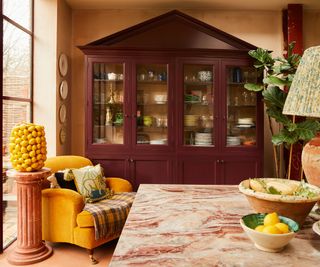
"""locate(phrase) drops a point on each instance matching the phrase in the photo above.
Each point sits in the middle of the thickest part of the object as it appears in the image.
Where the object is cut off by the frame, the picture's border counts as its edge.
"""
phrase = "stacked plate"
(191, 120)
(203, 139)
(158, 142)
(233, 141)
(245, 122)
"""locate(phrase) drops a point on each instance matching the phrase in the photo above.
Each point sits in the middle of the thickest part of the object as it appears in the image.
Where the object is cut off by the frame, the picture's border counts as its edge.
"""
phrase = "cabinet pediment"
(172, 30)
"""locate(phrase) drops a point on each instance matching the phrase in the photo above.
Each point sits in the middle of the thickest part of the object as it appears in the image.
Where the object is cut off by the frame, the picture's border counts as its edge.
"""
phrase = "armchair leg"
(93, 260)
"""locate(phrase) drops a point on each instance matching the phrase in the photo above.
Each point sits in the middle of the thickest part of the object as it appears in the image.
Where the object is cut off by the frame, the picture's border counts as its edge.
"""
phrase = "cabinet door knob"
(126, 115)
(131, 160)
(218, 161)
(222, 161)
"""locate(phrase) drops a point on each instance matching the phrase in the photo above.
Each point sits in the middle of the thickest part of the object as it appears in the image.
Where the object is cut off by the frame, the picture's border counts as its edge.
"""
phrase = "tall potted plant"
(278, 74)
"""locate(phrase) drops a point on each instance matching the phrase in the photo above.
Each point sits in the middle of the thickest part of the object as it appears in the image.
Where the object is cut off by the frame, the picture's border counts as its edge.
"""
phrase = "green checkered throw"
(109, 215)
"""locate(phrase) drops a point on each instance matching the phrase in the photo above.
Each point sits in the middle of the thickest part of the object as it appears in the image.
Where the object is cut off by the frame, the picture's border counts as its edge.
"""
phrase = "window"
(17, 18)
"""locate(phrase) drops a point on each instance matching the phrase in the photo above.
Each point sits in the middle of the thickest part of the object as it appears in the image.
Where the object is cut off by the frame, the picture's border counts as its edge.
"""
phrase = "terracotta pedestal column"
(30, 248)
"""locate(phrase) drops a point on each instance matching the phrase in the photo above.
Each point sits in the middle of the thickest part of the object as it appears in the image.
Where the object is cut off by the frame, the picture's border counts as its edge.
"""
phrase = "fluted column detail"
(29, 246)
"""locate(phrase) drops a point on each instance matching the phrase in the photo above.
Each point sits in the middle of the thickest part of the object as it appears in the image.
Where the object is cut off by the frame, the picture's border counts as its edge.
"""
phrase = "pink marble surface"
(198, 225)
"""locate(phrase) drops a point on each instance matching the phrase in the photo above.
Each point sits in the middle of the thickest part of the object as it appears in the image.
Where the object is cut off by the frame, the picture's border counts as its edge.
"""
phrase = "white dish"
(316, 227)
(64, 90)
(63, 113)
(63, 64)
(245, 125)
(245, 121)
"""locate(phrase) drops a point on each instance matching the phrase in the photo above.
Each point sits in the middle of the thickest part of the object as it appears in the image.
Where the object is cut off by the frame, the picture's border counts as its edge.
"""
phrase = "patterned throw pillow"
(63, 183)
(89, 182)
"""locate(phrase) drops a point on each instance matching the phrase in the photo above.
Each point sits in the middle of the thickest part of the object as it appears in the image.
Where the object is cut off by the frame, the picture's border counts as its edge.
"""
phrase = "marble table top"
(198, 225)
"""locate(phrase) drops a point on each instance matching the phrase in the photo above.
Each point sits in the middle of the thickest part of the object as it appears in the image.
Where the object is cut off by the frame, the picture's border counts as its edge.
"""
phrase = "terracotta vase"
(311, 161)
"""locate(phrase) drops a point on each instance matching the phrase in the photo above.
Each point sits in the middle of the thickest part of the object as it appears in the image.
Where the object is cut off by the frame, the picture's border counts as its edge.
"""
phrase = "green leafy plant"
(278, 75)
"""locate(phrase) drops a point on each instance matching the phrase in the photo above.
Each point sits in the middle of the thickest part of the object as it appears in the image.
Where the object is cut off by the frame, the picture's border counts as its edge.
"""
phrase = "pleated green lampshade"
(304, 95)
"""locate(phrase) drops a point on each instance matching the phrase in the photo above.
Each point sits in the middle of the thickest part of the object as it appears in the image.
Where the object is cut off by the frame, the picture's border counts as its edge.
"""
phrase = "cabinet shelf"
(235, 83)
(151, 82)
(151, 129)
(242, 106)
(152, 104)
(196, 103)
(108, 81)
(198, 83)
(109, 104)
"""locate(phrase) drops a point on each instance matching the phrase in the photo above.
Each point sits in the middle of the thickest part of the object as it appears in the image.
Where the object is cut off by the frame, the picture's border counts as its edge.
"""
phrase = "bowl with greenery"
(289, 198)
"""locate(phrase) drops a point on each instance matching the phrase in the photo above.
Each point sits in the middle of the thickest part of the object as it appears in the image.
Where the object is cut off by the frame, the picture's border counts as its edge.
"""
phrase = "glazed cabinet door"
(108, 113)
(153, 109)
(242, 114)
(197, 102)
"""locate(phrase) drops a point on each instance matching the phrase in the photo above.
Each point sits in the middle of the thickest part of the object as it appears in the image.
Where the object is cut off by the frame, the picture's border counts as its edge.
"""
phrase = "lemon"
(271, 219)
(284, 228)
(259, 228)
(271, 229)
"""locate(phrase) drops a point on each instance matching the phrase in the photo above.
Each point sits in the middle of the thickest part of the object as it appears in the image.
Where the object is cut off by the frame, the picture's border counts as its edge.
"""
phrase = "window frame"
(16, 99)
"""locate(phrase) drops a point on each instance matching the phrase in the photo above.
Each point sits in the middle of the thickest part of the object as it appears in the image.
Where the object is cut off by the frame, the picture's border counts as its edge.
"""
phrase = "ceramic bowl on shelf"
(265, 241)
(292, 199)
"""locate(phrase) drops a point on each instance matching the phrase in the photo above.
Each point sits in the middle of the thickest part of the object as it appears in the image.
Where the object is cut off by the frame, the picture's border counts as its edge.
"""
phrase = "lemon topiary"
(28, 147)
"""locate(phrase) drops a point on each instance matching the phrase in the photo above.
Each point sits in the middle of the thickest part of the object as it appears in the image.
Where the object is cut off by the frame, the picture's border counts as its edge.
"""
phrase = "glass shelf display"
(241, 107)
(108, 103)
(152, 104)
(198, 105)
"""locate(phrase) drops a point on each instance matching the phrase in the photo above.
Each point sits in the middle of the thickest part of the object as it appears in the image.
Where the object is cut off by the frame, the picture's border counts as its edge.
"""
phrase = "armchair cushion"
(85, 219)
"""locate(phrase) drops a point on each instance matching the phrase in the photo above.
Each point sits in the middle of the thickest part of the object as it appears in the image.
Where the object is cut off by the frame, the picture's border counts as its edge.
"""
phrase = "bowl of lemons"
(292, 199)
(269, 232)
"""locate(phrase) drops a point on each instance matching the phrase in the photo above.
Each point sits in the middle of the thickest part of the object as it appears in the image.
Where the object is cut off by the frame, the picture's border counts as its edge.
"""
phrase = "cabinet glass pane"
(241, 123)
(198, 105)
(152, 105)
(107, 112)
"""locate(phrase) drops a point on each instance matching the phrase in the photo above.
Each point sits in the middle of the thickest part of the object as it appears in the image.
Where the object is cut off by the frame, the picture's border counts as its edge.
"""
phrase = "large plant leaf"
(276, 113)
(254, 87)
(262, 55)
(307, 129)
(274, 96)
(285, 137)
(273, 80)
(294, 60)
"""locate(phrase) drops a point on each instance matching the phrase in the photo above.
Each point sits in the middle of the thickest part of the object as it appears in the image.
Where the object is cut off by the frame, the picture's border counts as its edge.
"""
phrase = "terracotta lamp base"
(311, 161)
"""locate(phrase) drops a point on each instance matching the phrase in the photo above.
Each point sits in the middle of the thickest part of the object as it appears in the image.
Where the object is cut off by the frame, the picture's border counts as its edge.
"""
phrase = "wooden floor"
(66, 255)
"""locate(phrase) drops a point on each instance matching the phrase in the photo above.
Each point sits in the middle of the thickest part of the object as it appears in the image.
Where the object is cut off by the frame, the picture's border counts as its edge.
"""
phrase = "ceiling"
(192, 4)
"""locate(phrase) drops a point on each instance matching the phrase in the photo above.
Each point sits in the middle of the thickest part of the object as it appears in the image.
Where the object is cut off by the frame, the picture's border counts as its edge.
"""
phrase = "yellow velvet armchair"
(63, 218)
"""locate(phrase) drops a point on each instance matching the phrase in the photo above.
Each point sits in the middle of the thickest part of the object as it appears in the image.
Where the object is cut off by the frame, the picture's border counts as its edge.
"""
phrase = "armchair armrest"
(118, 184)
(59, 212)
